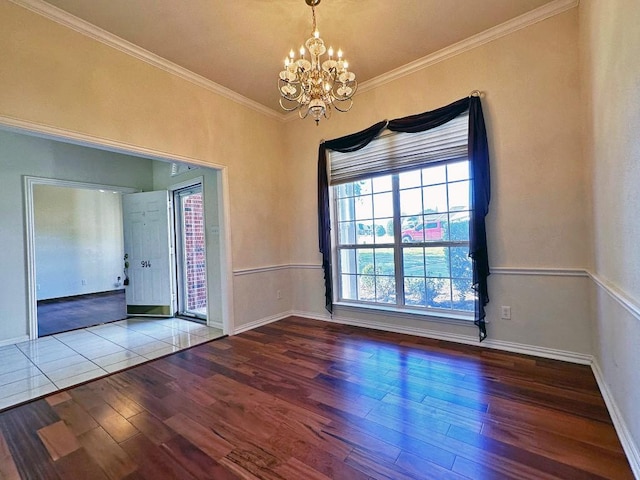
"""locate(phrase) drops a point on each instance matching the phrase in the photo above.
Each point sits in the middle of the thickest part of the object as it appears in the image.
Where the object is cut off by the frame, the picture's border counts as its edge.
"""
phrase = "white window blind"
(397, 152)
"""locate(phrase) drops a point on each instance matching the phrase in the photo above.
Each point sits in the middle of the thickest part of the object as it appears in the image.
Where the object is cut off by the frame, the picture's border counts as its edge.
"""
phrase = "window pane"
(437, 261)
(347, 233)
(463, 295)
(382, 184)
(413, 231)
(461, 266)
(435, 228)
(383, 230)
(349, 287)
(364, 208)
(366, 288)
(362, 187)
(344, 190)
(411, 201)
(364, 260)
(384, 261)
(348, 261)
(458, 171)
(385, 289)
(435, 199)
(413, 261)
(346, 209)
(438, 293)
(382, 205)
(409, 179)
(459, 196)
(433, 175)
(364, 232)
(459, 226)
(414, 291)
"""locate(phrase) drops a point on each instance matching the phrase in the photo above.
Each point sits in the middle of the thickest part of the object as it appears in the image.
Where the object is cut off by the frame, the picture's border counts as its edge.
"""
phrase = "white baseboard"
(215, 324)
(628, 444)
(261, 322)
(11, 341)
(567, 356)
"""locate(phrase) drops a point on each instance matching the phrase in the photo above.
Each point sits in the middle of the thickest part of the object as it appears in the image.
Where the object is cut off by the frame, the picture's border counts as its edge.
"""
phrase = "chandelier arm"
(289, 109)
(338, 107)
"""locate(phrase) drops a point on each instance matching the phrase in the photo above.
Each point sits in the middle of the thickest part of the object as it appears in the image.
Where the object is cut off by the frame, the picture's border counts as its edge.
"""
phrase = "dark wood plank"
(307, 399)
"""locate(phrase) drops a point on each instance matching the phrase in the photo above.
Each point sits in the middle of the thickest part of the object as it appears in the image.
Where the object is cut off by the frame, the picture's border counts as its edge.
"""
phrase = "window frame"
(400, 306)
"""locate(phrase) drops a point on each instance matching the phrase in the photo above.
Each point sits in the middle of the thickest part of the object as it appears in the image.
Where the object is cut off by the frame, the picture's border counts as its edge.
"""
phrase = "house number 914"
(145, 263)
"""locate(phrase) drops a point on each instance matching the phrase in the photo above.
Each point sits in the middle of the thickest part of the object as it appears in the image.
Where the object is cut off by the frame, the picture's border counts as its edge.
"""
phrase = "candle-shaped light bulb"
(292, 54)
(345, 64)
(286, 62)
(330, 52)
(316, 34)
(339, 54)
(302, 52)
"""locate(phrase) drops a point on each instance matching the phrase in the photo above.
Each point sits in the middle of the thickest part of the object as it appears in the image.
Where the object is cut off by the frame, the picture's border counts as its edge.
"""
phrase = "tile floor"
(38, 367)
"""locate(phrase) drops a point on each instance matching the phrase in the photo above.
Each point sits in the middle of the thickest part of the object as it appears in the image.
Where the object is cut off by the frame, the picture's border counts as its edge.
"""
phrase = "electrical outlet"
(279, 294)
(506, 312)
(84, 282)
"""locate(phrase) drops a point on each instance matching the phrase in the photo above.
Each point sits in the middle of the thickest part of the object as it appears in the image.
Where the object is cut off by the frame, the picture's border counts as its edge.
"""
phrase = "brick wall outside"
(195, 252)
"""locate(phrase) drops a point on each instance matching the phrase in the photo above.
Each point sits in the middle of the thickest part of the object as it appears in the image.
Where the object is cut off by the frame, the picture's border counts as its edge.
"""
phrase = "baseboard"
(536, 351)
(215, 324)
(261, 322)
(11, 341)
(82, 296)
(628, 444)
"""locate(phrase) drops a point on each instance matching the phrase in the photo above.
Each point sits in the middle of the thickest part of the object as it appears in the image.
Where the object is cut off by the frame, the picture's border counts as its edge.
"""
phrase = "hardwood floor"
(70, 313)
(303, 399)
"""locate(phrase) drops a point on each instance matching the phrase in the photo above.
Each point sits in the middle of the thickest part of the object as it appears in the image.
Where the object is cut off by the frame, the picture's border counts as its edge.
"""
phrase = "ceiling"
(242, 44)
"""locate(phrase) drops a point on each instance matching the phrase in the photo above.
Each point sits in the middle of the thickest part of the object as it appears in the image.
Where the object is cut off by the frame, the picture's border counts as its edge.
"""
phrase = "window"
(402, 238)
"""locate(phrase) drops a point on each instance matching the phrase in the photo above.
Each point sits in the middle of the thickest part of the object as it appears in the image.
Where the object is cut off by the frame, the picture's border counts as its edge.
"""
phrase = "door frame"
(178, 263)
(223, 200)
(30, 183)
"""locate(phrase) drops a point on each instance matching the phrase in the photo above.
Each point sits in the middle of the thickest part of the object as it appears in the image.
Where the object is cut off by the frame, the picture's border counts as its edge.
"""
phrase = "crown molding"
(534, 16)
(66, 19)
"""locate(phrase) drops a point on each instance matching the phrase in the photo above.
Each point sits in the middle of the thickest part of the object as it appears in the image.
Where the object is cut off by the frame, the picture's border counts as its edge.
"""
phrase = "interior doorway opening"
(191, 253)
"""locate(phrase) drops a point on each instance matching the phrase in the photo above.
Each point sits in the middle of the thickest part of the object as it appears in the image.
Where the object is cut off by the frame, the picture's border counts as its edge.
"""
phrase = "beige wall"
(53, 76)
(564, 199)
(610, 49)
(537, 218)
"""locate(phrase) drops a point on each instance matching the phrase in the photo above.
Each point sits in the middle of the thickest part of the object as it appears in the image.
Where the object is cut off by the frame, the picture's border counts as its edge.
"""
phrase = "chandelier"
(312, 86)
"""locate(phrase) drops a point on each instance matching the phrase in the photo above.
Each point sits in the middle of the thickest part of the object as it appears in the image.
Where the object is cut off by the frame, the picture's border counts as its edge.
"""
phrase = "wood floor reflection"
(303, 399)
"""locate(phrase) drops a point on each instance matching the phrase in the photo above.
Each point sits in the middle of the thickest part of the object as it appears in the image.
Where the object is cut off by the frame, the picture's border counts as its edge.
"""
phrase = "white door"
(148, 251)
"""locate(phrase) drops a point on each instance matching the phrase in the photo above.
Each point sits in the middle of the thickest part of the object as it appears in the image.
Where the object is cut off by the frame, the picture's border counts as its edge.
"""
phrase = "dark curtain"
(350, 143)
(480, 186)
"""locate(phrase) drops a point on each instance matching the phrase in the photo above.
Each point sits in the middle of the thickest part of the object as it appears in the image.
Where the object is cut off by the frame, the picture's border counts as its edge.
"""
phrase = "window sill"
(435, 316)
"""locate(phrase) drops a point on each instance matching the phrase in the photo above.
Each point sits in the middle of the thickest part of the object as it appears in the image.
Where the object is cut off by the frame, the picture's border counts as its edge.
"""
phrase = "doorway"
(191, 254)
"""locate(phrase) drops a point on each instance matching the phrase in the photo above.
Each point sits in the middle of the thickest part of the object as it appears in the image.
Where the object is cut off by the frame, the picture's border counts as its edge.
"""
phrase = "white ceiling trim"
(66, 19)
